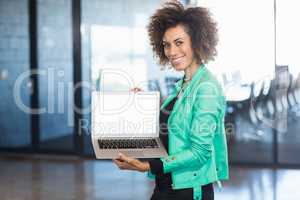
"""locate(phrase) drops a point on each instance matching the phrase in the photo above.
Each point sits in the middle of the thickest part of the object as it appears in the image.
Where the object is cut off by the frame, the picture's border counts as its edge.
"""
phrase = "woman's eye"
(165, 45)
(178, 43)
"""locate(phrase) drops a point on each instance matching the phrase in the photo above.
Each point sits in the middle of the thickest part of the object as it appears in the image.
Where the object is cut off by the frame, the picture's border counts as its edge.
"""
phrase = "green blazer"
(197, 141)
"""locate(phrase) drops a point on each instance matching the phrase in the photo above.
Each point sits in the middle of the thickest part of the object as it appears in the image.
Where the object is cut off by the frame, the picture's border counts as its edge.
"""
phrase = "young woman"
(193, 115)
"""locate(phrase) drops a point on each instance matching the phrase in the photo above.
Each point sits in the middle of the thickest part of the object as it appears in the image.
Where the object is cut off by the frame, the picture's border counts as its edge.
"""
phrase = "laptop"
(126, 122)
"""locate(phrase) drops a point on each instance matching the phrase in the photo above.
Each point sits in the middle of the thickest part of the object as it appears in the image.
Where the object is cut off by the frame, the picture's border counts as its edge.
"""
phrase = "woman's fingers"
(132, 161)
(127, 162)
(125, 158)
(136, 89)
(120, 164)
(123, 165)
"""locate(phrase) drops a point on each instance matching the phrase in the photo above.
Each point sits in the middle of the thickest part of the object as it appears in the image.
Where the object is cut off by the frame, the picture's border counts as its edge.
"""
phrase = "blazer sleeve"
(205, 113)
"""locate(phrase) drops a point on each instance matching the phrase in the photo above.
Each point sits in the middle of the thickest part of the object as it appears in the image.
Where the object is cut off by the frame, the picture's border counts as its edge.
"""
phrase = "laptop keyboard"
(127, 143)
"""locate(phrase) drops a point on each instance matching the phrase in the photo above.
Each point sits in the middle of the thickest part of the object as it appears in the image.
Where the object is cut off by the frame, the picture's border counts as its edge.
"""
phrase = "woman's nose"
(173, 51)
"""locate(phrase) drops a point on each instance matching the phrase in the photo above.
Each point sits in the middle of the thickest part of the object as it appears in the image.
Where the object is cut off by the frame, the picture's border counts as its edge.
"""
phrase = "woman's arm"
(205, 113)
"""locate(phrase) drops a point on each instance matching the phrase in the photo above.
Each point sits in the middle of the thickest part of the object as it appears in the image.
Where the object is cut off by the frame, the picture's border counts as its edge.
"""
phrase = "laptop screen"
(125, 114)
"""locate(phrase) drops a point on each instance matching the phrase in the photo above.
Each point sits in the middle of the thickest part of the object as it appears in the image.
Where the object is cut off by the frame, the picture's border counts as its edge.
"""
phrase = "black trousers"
(182, 194)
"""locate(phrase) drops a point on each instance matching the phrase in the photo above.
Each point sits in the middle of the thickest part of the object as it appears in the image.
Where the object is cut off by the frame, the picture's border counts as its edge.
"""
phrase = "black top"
(162, 180)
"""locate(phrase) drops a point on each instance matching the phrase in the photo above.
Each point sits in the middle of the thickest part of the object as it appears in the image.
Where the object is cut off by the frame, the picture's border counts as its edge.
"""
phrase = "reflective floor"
(56, 177)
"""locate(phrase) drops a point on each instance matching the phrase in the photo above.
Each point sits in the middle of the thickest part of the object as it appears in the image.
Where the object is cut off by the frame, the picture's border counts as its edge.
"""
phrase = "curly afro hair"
(198, 24)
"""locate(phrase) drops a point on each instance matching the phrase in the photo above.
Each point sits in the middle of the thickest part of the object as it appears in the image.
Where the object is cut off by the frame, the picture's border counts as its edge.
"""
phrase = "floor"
(40, 177)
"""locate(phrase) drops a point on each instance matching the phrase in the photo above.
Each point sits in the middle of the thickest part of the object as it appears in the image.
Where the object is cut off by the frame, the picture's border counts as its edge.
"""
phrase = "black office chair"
(294, 98)
(261, 101)
(265, 105)
(256, 93)
(296, 91)
(290, 93)
(247, 113)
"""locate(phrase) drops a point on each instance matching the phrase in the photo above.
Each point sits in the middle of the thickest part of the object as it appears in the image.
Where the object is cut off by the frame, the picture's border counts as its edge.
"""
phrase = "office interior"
(52, 53)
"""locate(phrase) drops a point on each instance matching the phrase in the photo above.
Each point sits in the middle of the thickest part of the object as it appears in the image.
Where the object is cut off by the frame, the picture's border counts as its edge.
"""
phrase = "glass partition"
(54, 30)
(15, 85)
(245, 64)
(288, 47)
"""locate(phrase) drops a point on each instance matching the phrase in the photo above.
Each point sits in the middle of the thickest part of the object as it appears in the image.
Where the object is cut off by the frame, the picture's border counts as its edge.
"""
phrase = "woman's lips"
(177, 61)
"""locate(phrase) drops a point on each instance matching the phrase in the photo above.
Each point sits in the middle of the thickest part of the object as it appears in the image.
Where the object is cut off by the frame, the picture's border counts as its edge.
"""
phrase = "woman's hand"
(125, 162)
(136, 89)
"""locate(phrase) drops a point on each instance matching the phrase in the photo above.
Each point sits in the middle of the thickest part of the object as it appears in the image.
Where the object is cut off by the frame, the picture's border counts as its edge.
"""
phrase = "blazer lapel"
(188, 91)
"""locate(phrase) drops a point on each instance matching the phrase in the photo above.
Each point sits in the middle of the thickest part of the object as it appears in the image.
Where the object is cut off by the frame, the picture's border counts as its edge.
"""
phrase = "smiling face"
(178, 48)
